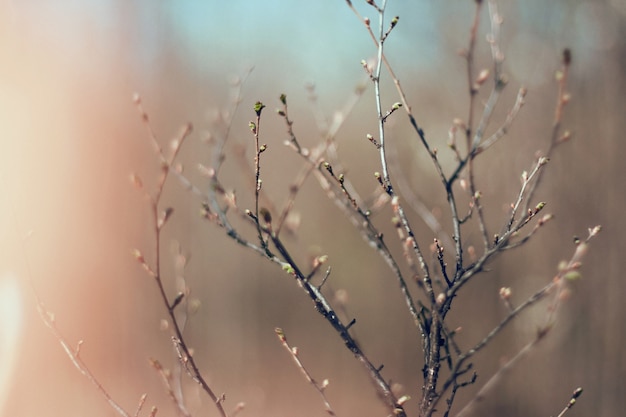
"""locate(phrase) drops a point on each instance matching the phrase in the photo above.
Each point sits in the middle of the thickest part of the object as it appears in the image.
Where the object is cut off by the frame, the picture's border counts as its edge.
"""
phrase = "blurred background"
(69, 217)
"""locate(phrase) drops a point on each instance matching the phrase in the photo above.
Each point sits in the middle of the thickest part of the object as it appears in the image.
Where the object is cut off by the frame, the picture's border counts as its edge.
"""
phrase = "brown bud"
(567, 56)
(265, 215)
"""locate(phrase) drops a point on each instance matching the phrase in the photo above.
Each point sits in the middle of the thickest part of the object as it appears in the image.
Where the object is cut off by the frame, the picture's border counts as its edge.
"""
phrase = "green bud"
(258, 107)
(572, 276)
(288, 269)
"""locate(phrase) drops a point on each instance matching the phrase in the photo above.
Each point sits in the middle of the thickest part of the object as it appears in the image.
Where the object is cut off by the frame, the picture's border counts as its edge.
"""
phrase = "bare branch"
(293, 351)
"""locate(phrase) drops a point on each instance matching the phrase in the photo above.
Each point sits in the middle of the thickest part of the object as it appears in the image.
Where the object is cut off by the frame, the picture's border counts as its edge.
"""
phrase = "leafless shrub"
(429, 289)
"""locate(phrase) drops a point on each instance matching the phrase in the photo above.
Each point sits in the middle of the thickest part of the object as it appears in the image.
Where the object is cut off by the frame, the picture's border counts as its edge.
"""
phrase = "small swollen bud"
(371, 139)
(558, 75)
(567, 56)
(506, 293)
(177, 300)
(522, 92)
(328, 167)
(575, 265)
(194, 305)
(138, 255)
(164, 216)
(379, 178)
(403, 399)
(283, 99)
(565, 98)
(593, 231)
(395, 202)
(320, 260)
(572, 275)
(206, 171)
(136, 181)
(258, 108)
(265, 215)
(441, 297)
(482, 77)
(174, 145)
(471, 251)
(281, 334)
(524, 176)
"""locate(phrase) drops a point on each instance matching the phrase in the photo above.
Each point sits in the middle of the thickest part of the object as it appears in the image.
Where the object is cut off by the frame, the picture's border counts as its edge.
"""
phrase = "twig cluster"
(431, 290)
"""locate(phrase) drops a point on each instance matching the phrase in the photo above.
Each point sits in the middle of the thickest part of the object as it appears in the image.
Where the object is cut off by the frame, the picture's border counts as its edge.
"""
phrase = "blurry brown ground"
(70, 137)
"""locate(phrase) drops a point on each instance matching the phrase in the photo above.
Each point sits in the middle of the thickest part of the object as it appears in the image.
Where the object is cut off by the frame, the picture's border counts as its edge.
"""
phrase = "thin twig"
(166, 377)
(571, 402)
(74, 356)
(555, 138)
(142, 401)
(256, 127)
(558, 283)
(293, 351)
(473, 87)
(158, 221)
(324, 308)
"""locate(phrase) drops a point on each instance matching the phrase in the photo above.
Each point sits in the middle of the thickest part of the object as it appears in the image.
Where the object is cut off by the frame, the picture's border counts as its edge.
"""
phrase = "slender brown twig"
(74, 355)
(320, 388)
(572, 402)
(159, 219)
